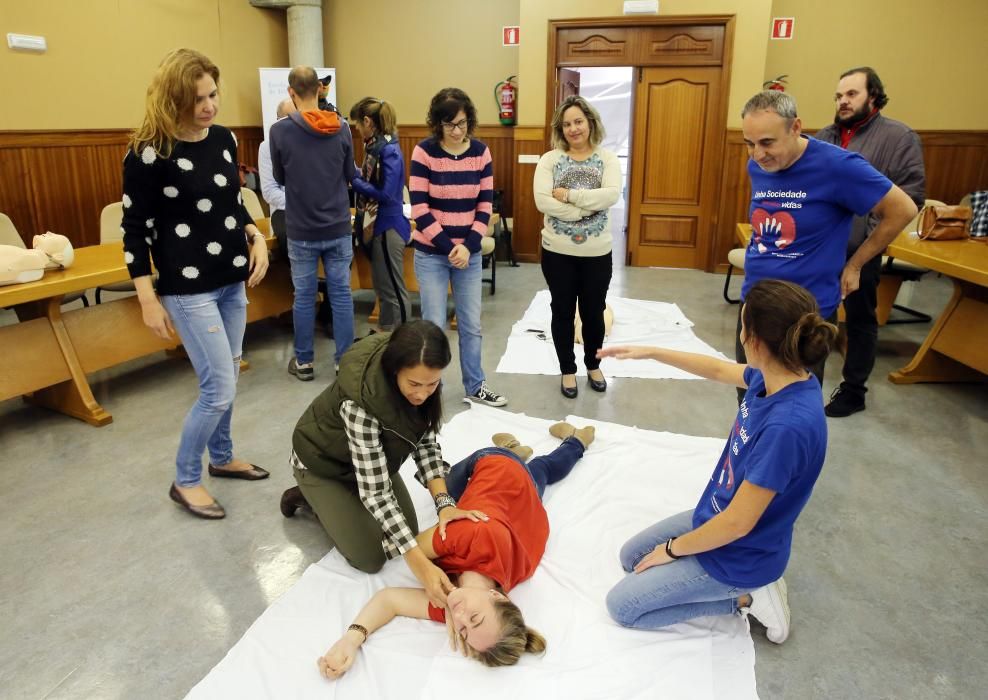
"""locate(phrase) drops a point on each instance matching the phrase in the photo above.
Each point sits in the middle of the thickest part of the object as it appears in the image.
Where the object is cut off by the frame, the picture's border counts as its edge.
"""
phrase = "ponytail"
(785, 317)
(381, 113)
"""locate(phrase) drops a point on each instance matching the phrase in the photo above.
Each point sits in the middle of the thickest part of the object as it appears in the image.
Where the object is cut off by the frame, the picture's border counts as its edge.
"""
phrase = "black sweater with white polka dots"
(186, 212)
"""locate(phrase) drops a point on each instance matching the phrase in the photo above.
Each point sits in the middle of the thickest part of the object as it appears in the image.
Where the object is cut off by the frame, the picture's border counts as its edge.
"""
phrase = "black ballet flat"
(599, 386)
(568, 392)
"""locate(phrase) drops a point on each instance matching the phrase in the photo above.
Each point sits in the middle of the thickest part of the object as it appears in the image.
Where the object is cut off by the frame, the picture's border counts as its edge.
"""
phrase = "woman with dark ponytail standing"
(728, 554)
(379, 189)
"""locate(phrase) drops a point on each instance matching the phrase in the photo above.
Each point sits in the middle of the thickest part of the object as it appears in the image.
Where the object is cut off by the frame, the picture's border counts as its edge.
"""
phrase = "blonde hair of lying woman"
(503, 636)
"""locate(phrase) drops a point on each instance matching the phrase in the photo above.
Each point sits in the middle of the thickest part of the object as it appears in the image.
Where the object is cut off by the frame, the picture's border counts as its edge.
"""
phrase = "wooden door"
(676, 149)
(569, 84)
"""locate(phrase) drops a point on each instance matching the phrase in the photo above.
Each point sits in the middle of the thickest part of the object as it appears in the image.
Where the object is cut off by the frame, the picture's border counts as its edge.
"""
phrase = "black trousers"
(577, 281)
(740, 356)
(862, 328)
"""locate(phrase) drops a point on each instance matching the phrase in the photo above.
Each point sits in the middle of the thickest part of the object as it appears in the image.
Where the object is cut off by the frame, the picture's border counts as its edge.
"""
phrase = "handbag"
(944, 223)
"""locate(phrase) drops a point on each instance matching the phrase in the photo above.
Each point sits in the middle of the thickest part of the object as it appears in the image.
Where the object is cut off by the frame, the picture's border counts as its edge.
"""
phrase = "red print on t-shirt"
(776, 230)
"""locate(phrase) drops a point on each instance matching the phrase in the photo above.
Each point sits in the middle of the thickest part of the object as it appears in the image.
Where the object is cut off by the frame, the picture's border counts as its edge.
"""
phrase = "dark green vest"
(320, 440)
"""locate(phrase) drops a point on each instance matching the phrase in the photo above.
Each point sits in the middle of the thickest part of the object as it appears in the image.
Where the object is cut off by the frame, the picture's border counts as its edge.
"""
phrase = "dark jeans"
(862, 328)
(740, 356)
(574, 281)
(544, 470)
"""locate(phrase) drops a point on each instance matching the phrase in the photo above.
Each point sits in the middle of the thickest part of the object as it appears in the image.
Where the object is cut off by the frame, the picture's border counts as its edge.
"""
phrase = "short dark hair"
(445, 105)
(785, 317)
(876, 90)
(410, 345)
(304, 81)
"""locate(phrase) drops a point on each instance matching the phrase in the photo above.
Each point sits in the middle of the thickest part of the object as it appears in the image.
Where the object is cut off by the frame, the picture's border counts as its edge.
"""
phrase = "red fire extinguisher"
(506, 96)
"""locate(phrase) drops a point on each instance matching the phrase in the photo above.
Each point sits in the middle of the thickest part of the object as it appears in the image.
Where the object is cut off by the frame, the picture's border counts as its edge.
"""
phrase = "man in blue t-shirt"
(804, 195)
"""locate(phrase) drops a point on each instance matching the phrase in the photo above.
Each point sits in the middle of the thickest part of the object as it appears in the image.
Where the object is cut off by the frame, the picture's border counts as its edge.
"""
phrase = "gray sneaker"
(302, 371)
(486, 396)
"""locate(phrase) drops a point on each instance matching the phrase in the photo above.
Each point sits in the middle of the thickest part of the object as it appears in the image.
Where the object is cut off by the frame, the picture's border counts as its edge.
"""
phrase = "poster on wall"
(274, 88)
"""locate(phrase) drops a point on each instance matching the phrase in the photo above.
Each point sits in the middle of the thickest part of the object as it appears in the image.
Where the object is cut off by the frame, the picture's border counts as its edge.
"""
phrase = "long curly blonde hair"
(171, 99)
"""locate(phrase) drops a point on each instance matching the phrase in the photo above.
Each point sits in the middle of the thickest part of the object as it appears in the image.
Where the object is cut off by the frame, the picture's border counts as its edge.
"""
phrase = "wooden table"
(47, 356)
(956, 349)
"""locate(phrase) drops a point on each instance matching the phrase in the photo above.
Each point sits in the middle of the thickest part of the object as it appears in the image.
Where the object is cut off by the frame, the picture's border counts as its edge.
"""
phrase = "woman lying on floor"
(487, 558)
(728, 554)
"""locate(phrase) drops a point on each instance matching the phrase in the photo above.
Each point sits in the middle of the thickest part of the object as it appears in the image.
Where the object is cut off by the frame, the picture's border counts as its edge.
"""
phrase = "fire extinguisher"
(506, 96)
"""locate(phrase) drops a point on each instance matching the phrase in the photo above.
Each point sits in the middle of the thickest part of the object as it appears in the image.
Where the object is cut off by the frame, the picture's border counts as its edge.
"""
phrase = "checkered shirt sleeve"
(363, 433)
(979, 208)
(429, 459)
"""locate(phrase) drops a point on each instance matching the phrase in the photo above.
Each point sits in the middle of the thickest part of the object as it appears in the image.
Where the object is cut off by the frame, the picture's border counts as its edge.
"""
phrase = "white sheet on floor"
(636, 322)
(627, 480)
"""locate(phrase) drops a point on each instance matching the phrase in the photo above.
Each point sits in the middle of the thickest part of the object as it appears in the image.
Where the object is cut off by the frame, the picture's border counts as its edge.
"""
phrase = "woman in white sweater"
(576, 184)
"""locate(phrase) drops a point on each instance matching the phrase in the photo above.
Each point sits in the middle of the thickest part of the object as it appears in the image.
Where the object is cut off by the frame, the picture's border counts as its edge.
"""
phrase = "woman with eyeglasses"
(575, 185)
(451, 186)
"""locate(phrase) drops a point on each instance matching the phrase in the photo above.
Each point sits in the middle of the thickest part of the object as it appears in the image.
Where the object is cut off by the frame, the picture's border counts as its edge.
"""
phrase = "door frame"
(719, 114)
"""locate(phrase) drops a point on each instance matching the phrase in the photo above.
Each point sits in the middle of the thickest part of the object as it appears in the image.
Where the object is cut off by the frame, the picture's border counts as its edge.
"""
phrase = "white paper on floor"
(626, 481)
(636, 322)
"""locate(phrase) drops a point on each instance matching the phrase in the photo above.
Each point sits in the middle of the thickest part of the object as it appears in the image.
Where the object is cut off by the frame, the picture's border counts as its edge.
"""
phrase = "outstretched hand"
(625, 352)
(338, 659)
(447, 515)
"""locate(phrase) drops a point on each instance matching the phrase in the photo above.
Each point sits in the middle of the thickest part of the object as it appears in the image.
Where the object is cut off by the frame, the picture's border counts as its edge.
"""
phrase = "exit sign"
(510, 35)
(782, 27)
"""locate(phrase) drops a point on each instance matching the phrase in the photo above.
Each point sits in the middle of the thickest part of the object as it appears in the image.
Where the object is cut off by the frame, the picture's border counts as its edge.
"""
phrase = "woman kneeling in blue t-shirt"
(728, 554)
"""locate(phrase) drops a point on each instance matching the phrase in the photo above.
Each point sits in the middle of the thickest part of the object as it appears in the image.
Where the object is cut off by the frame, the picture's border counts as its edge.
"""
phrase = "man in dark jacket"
(893, 149)
(312, 156)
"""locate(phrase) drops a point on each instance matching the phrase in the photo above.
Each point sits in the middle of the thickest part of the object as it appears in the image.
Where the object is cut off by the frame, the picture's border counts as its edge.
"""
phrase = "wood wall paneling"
(670, 46)
(60, 180)
(526, 233)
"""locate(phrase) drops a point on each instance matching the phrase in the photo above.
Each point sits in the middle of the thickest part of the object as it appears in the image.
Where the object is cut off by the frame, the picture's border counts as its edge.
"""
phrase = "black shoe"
(292, 500)
(844, 402)
(568, 392)
(253, 474)
(600, 386)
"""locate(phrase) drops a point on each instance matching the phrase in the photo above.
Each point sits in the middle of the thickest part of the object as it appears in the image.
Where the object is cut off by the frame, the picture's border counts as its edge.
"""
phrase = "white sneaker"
(486, 396)
(770, 606)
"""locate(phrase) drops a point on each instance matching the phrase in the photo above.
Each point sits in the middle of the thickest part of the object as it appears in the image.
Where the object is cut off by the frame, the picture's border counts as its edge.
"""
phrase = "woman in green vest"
(385, 405)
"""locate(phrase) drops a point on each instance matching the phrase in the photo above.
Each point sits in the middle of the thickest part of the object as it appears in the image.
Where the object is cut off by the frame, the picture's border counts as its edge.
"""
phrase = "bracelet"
(254, 236)
(669, 548)
(444, 500)
(358, 628)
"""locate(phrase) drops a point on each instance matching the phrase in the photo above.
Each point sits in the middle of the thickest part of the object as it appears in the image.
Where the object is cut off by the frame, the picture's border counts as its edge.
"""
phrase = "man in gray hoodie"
(894, 150)
(312, 157)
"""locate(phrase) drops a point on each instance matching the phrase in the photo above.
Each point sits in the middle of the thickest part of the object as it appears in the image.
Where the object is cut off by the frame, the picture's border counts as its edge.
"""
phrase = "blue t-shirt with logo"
(779, 443)
(801, 219)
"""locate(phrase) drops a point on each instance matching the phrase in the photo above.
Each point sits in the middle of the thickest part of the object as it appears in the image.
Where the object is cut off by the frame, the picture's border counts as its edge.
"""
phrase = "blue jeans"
(671, 593)
(304, 256)
(544, 470)
(211, 326)
(434, 274)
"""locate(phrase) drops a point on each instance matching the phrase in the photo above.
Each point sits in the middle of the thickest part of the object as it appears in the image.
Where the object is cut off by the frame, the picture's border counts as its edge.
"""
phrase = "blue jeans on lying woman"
(671, 593)
(544, 470)
(211, 326)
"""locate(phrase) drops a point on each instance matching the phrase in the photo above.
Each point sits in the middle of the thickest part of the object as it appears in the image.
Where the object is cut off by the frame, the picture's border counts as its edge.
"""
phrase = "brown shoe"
(291, 500)
(214, 511)
(563, 430)
(252, 474)
(510, 442)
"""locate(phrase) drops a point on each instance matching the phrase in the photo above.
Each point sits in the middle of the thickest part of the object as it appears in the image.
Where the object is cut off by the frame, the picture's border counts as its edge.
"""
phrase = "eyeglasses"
(456, 126)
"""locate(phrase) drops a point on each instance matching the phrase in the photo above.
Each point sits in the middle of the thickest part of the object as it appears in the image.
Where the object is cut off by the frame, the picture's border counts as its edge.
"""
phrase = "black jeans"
(576, 281)
(862, 328)
(740, 356)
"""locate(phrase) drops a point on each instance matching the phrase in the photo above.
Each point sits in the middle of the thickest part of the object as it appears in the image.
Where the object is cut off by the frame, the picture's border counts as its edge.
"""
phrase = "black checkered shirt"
(363, 432)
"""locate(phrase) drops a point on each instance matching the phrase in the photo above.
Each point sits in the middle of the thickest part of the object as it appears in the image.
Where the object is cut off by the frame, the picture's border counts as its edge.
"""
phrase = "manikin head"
(57, 248)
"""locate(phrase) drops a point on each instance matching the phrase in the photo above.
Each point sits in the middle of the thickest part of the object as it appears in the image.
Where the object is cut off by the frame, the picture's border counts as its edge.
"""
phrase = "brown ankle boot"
(510, 442)
(292, 500)
(563, 430)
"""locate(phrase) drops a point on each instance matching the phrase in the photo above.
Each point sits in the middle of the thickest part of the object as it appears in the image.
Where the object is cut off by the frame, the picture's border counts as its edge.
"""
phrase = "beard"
(856, 117)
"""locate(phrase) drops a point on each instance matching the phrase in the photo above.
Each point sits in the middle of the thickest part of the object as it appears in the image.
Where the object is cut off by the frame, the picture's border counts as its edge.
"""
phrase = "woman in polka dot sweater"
(183, 209)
